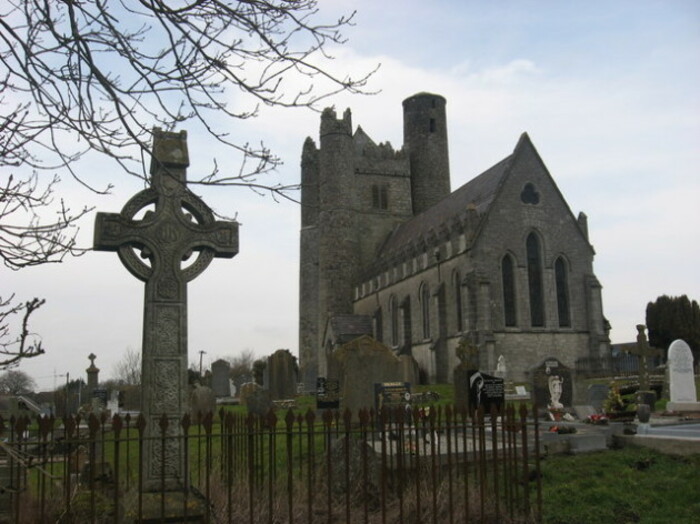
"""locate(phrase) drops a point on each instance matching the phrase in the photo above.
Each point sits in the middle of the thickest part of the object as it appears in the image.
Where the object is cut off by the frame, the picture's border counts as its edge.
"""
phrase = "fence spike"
(185, 423)
(140, 423)
(116, 425)
(289, 419)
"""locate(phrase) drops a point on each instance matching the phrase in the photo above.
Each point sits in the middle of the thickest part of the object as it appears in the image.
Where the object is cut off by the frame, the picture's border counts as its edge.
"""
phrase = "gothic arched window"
(458, 301)
(534, 277)
(394, 315)
(424, 295)
(508, 277)
(562, 279)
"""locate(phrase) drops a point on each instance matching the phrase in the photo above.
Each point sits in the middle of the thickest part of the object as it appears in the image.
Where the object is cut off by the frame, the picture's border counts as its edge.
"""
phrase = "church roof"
(476, 195)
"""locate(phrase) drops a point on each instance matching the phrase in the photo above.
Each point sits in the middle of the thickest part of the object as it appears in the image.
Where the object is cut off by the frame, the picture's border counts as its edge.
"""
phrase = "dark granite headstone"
(327, 393)
(551, 385)
(486, 391)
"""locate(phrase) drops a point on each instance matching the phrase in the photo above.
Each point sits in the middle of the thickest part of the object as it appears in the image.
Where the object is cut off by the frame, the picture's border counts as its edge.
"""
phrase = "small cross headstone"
(181, 224)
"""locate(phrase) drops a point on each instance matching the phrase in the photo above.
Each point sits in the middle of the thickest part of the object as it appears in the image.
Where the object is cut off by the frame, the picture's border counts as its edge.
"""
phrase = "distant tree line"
(671, 318)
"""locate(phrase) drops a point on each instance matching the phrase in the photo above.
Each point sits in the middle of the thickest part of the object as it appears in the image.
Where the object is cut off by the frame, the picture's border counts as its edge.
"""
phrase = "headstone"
(246, 391)
(282, 374)
(391, 395)
(259, 401)
(681, 378)
(180, 224)
(92, 375)
(241, 379)
(485, 391)
(101, 395)
(220, 384)
(360, 364)
(551, 385)
(327, 393)
(596, 395)
(583, 412)
(202, 401)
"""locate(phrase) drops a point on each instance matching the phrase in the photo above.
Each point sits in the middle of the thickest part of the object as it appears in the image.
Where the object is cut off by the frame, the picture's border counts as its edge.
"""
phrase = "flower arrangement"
(614, 403)
(597, 420)
(562, 430)
(616, 407)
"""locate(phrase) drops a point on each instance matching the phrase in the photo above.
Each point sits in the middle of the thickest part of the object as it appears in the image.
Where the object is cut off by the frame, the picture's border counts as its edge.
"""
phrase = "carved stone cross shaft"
(643, 350)
(178, 225)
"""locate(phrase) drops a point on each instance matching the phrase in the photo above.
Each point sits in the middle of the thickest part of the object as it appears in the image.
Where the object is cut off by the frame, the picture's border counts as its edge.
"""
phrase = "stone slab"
(683, 406)
(586, 442)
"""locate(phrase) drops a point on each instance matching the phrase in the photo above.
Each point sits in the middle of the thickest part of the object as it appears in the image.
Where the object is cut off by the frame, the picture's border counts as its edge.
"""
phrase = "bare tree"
(98, 76)
(128, 369)
(242, 364)
(14, 348)
(16, 382)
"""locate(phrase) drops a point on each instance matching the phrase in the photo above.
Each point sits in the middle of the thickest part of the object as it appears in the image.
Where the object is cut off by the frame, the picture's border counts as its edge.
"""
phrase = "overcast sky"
(609, 93)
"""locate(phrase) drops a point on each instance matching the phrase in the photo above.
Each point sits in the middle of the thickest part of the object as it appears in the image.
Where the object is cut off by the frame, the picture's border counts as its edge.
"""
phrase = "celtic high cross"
(153, 249)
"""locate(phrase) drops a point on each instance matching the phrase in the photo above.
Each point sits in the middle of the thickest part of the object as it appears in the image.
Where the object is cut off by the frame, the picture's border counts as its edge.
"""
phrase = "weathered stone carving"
(180, 225)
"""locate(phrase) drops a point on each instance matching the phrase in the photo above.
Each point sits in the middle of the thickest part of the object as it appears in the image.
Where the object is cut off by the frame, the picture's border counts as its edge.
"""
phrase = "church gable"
(532, 250)
(528, 199)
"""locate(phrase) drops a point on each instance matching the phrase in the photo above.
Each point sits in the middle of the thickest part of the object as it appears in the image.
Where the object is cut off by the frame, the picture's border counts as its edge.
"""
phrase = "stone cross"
(178, 224)
(643, 350)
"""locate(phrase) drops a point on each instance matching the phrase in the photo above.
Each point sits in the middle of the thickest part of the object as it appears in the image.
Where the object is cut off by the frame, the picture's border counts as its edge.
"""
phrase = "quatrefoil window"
(530, 195)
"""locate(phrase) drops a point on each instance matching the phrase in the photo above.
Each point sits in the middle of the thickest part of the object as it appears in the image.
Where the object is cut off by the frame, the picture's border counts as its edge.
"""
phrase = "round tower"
(425, 137)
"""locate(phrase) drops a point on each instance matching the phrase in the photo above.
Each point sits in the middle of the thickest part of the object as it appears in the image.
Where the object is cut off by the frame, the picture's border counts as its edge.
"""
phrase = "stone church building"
(387, 249)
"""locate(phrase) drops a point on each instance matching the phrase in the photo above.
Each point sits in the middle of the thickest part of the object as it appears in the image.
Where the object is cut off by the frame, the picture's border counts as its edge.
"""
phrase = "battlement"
(332, 125)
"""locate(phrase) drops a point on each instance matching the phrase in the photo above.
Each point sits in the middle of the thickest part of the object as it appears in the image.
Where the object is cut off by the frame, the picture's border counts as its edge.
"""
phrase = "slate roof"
(477, 194)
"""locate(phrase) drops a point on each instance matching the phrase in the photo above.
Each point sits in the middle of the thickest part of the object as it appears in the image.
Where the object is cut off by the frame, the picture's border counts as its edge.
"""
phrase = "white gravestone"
(681, 378)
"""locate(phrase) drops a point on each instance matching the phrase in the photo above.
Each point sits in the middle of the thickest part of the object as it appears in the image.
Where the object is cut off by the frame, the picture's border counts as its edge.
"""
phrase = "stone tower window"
(380, 196)
(458, 301)
(562, 279)
(508, 277)
(432, 125)
(529, 195)
(534, 274)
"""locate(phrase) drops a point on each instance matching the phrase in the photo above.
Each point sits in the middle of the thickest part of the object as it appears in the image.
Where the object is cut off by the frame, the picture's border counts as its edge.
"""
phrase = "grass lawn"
(621, 486)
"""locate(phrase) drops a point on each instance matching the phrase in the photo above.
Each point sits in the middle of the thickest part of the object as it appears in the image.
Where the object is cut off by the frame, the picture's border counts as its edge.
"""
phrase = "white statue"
(501, 366)
(555, 389)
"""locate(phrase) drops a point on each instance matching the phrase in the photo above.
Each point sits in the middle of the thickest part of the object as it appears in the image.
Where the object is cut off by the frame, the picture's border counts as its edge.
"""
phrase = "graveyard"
(436, 316)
